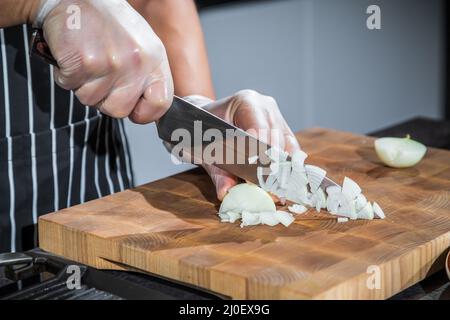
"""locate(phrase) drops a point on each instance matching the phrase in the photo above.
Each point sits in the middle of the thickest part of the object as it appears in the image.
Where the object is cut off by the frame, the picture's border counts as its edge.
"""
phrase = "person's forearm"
(177, 24)
(15, 12)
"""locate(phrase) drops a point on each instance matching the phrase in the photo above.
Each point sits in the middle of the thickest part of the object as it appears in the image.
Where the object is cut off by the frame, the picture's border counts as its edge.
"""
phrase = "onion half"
(399, 152)
(247, 197)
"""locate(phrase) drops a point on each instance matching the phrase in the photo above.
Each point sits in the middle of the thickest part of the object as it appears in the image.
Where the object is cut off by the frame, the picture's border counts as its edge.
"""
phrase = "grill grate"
(37, 275)
(60, 291)
(56, 289)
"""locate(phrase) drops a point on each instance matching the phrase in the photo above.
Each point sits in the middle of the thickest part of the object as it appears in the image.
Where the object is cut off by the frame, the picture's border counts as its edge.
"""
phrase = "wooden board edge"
(57, 237)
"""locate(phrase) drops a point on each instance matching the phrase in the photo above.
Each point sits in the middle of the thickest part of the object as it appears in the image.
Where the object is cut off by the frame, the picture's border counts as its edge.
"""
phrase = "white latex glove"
(114, 61)
(250, 111)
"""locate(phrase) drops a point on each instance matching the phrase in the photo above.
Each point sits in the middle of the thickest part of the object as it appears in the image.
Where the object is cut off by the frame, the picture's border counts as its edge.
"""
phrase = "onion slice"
(284, 217)
(276, 154)
(378, 212)
(298, 160)
(333, 190)
(347, 207)
(260, 176)
(269, 218)
(315, 176)
(350, 188)
(366, 212)
(297, 209)
(318, 199)
(333, 202)
(250, 219)
(284, 173)
(360, 202)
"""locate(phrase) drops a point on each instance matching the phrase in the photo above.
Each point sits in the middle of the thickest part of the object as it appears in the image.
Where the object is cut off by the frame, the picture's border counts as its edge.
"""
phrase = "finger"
(154, 103)
(93, 92)
(221, 179)
(121, 101)
(262, 135)
(67, 80)
(291, 144)
(251, 118)
(290, 141)
(75, 70)
(255, 124)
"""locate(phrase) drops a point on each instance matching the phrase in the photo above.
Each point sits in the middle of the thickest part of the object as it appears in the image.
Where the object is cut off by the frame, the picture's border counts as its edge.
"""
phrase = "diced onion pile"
(299, 184)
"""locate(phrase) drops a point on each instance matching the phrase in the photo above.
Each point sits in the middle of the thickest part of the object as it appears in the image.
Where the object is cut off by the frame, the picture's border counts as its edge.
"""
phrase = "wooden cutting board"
(170, 228)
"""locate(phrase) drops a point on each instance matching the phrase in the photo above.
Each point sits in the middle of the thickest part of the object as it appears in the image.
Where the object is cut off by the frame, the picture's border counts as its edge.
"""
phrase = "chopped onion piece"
(360, 202)
(250, 219)
(298, 160)
(297, 208)
(333, 190)
(269, 218)
(274, 167)
(284, 173)
(260, 176)
(341, 205)
(276, 154)
(366, 212)
(333, 203)
(271, 179)
(315, 176)
(346, 207)
(307, 201)
(284, 217)
(280, 193)
(299, 178)
(350, 188)
(299, 195)
(378, 212)
(318, 199)
(342, 219)
(275, 186)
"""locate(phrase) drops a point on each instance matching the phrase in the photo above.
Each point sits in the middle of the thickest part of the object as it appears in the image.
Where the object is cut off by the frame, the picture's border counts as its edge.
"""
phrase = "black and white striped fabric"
(54, 152)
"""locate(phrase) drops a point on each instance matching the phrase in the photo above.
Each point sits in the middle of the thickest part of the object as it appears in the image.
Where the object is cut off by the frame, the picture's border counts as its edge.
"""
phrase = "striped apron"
(54, 151)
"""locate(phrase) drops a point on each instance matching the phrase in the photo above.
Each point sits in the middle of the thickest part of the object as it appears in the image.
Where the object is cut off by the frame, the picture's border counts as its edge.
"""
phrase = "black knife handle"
(40, 48)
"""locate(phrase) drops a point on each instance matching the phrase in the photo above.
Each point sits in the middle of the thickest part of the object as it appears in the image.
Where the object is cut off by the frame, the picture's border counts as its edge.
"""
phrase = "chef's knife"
(183, 117)
(195, 121)
(233, 146)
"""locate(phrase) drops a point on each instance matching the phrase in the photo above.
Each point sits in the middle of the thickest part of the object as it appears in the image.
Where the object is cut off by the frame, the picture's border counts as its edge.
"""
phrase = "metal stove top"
(37, 275)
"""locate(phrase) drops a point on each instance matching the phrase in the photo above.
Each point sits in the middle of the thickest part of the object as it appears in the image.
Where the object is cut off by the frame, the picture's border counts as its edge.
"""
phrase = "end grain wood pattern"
(170, 228)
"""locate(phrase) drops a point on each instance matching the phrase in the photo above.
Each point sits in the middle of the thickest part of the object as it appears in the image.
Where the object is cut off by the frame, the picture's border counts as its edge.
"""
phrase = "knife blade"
(236, 145)
(196, 121)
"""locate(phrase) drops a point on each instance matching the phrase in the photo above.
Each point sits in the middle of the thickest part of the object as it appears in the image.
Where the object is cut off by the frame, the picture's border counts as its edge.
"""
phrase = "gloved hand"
(250, 111)
(113, 60)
